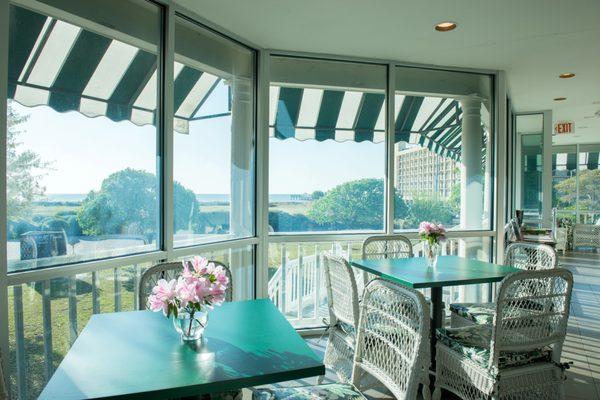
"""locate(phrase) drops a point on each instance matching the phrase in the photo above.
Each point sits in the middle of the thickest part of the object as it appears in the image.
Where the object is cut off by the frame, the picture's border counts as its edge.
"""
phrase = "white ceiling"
(532, 40)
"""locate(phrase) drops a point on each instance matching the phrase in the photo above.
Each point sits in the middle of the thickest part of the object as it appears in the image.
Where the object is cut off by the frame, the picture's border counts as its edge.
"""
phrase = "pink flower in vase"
(162, 295)
(200, 265)
(186, 291)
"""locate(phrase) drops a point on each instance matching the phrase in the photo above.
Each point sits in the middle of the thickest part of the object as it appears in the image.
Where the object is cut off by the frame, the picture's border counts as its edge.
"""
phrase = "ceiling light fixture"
(445, 26)
(566, 75)
(559, 98)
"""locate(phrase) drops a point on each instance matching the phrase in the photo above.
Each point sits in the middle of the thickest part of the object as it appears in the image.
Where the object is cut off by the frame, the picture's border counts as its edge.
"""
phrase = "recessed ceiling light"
(559, 98)
(445, 26)
(566, 75)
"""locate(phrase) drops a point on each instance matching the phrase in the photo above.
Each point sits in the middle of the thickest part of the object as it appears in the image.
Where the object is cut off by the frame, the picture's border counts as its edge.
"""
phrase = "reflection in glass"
(213, 138)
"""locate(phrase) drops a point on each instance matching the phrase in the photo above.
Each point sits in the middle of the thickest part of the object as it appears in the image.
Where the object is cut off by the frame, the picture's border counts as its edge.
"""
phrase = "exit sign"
(562, 127)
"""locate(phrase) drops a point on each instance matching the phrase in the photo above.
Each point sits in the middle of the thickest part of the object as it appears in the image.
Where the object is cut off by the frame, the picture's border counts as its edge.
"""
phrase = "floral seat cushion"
(330, 391)
(473, 342)
(479, 313)
(483, 313)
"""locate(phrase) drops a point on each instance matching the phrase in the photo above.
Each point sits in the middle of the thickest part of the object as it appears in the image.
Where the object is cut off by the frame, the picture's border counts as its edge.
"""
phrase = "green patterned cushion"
(331, 392)
(474, 342)
(479, 313)
(231, 395)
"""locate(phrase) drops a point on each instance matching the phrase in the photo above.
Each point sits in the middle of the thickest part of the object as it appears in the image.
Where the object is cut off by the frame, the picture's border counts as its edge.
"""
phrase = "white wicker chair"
(171, 270)
(382, 247)
(392, 344)
(342, 298)
(525, 256)
(518, 356)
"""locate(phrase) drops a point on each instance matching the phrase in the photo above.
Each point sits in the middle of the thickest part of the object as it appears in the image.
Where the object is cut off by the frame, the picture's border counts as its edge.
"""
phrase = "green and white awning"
(323, 114)
(63, 66)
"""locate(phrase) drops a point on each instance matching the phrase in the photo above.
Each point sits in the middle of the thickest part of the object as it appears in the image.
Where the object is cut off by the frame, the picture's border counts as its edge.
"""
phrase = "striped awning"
(68, 68)
(322, 114)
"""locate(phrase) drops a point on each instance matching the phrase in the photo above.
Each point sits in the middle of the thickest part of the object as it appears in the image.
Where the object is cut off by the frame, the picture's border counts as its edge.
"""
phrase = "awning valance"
(63, 66)
(322, 114)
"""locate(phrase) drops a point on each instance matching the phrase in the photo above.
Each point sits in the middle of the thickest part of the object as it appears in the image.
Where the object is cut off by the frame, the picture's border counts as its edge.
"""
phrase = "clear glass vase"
(431, 252)
(191, 325)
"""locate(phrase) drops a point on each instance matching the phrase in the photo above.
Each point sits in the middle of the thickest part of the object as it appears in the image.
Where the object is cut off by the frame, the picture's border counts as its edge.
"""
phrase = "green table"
(450, 271)
(139, 355)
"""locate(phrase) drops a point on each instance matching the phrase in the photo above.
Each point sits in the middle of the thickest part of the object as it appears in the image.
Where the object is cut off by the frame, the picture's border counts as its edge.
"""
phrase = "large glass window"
(326, 147)
(443, 148)
(82, 149)
(529, 130)
(214, 137)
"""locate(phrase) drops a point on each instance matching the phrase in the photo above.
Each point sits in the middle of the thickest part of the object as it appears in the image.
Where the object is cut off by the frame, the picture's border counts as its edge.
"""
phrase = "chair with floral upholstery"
(525, 256)
(391, 346)
(518, 355)
(170, 270)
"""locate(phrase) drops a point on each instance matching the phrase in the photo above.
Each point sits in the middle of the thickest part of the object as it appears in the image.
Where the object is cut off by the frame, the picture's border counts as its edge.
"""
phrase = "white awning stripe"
(111, 69)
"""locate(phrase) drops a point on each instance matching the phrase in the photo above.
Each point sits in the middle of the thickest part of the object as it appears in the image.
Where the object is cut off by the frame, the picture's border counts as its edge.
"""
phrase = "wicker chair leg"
(437, 394)
(426, 392)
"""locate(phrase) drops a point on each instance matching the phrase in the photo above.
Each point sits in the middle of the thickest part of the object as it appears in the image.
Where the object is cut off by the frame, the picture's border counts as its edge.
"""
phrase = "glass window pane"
(589, 184)
(443, 148)
(82, 171)
(529, 130)
(326, 147)
(213, 137)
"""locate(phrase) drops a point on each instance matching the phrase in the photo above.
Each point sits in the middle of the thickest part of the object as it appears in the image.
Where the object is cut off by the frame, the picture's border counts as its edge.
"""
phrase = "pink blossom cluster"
(199, 287)
(434, 233)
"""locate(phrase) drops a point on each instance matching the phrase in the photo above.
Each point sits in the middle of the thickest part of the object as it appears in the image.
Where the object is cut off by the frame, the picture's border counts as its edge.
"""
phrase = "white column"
(241, 216)
(471, 178)
(242, 157)
(471, 183)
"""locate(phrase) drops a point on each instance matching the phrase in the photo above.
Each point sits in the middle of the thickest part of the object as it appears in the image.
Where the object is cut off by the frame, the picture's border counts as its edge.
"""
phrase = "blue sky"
(83, 151)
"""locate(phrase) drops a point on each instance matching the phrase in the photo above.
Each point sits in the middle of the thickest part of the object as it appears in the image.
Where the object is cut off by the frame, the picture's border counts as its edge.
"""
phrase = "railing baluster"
(317, 281)
(72, 309)
(95, 293)
(300, 281)
(20, 339)
(47, 322)
(136, 290)
(283, 278)
(117, 286)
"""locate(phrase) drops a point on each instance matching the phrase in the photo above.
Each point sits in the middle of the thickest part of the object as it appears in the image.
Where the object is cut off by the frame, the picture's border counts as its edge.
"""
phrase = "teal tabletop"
(139, 355)
(450, 271)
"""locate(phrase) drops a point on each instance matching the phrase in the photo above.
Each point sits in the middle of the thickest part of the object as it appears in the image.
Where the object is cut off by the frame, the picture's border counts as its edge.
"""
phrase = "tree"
(127, 204)
(317, 194)
(589, 190)
(428, 209)
(353, 205)
(24, 169)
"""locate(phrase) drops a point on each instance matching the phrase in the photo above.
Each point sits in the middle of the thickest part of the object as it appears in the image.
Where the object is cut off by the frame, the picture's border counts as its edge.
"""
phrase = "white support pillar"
(472, 180)
(471, 183)
(241, 217)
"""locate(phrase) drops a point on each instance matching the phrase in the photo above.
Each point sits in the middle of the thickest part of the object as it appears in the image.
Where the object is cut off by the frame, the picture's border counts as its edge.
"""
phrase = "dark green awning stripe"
(25, 27)
(368, 113)
(406, 118)
(593, 160)
(131, 85)
(331, 103)
(553, 162)
(183, 85)
(288, 108)
(77, 70)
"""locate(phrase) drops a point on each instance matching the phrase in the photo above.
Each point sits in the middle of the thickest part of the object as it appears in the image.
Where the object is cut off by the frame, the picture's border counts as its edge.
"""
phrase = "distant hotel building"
(420, 171)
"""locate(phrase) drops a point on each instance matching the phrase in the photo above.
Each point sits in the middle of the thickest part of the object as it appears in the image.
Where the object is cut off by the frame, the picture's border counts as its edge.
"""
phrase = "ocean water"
(202, 198)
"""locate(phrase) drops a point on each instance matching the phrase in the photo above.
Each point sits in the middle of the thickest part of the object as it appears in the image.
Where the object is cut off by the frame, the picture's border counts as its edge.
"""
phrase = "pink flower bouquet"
(193, 293)
(431, 232)
(432, 235)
